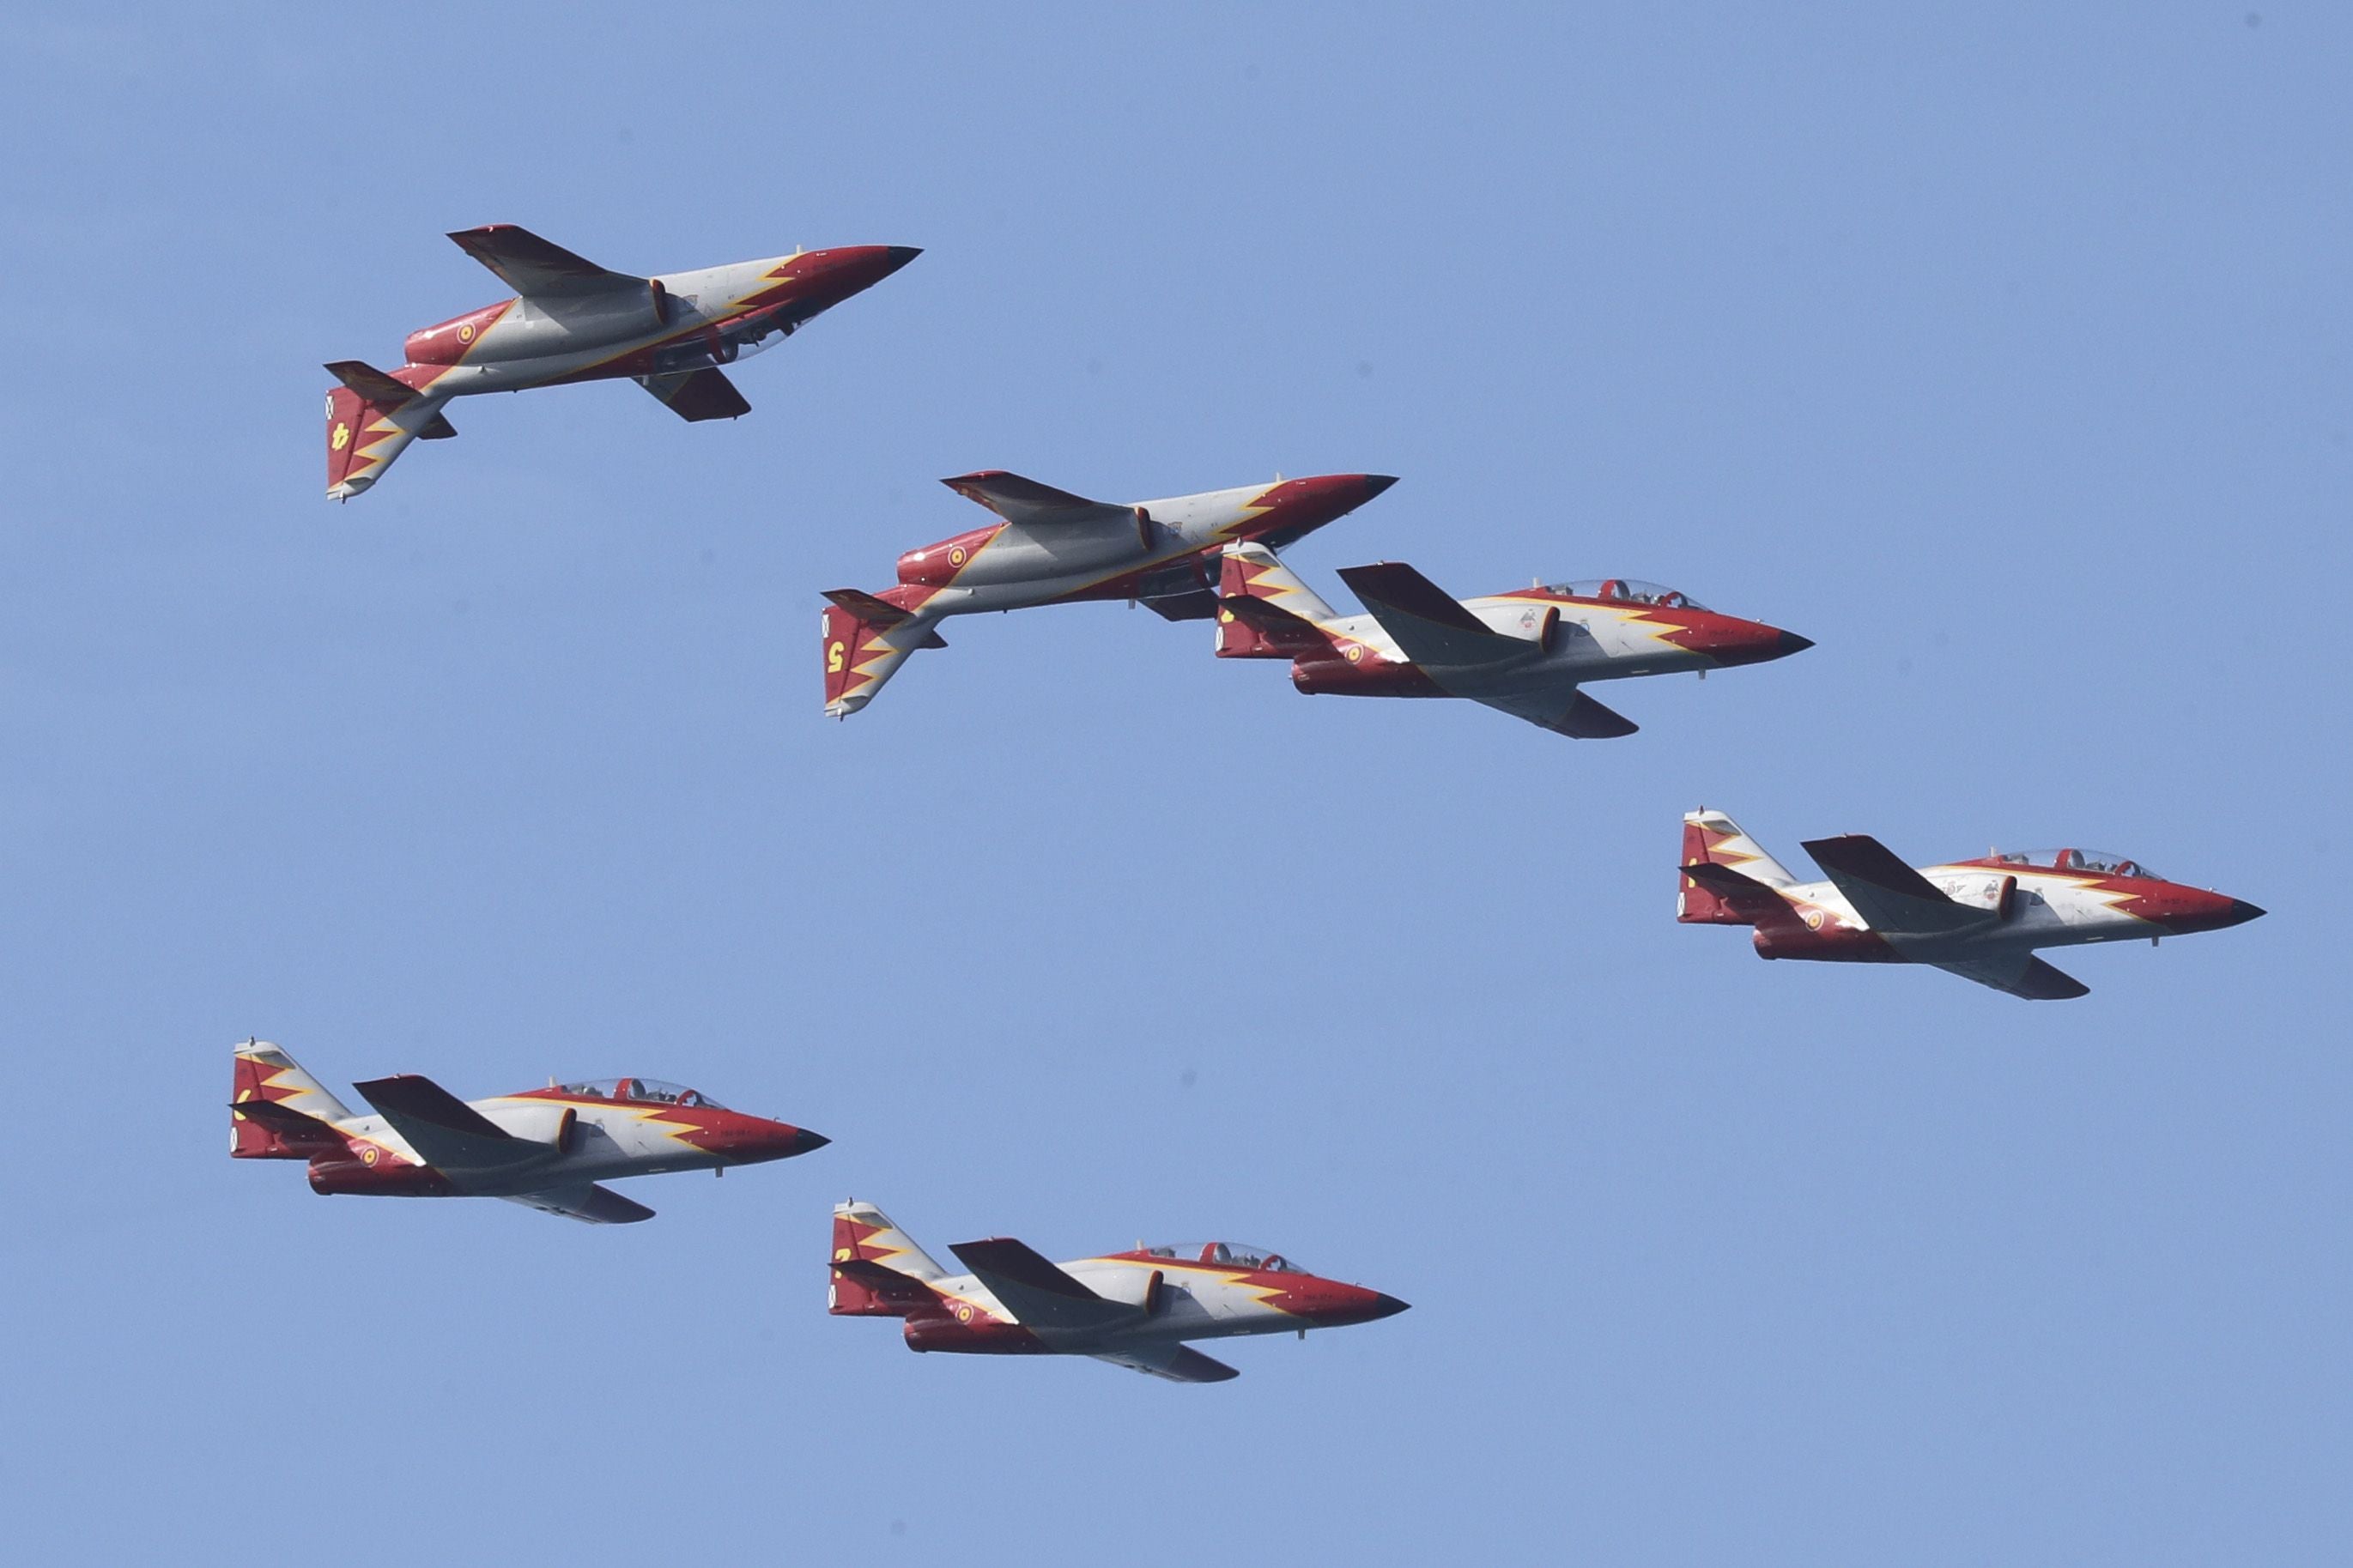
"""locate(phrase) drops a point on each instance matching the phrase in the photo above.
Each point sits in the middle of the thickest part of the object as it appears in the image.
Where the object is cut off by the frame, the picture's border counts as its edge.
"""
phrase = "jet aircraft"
(1527, 652)
(1133, 1309)
(1055, 548)
(544, 1148)
(1980, 918)
(572, 319)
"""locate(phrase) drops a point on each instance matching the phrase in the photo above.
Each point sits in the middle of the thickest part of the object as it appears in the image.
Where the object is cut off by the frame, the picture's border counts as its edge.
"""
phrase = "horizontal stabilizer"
(1252, 627)
(1042, 507)
(695, 395)
(1589, 720)
(1177, 1364)
(885, 1281)
(436, 428)
(584, 1201)
(279, 1131)
(1193, 604)
(879, 613)
(2021, 974)
(536, 268)
(1891, 896)
(371, 383)
(1035, 1290)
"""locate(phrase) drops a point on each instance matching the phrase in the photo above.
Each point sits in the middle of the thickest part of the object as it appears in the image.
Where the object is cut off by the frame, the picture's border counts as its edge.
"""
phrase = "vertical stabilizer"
(1727, 878)
(878, 1269)
(264, 1073)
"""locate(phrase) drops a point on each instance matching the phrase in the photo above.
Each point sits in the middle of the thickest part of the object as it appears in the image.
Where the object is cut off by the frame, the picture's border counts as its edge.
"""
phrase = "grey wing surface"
(2021, 974)
(1177, 1364)
(697, 394)
(1037, 1292)
(537, 270)
(584, 1201)
(1041, 509)
(1889, 895)
(451, 1134)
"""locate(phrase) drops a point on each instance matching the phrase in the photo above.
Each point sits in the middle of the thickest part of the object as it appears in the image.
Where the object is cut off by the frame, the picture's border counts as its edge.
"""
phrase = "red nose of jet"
(1729, 640)
(2187, 910)
(1296, 507)
(751, 1140)
(849, 269)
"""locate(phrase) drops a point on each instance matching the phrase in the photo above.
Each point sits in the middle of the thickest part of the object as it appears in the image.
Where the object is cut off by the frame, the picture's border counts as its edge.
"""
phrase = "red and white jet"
(1980, 919)
(1055, 548)
(544, 1148)
(572, 319)
(1527, 652)
(1133, 1309)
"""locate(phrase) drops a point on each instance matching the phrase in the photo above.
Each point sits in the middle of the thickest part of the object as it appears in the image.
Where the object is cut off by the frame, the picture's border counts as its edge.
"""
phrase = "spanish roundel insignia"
(466, 334)
(956, 556)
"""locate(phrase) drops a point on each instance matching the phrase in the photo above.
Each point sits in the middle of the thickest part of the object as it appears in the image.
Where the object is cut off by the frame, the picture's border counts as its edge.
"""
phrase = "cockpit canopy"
(1227, 1253)
(1626, 591)
(2097, 862)
(646, 1090)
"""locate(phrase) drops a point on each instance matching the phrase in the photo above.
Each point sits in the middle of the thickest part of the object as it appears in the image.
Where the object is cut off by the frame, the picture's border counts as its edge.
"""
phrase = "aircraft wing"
(2021, 974)
(1586, 718)
(1890, 896)
(1038, 1293)
(535, 268)
(697, 394)
(1042, 509)
(1177, 1364)
(584, 1201)
(451, 1134)
(1429, 624)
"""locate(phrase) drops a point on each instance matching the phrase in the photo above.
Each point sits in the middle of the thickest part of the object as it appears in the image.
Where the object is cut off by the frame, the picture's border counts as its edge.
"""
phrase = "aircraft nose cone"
(2240, 912)
(1793, 643)
(1387, 1306)
(804, 1141)
(897, 256)
(1375, 483)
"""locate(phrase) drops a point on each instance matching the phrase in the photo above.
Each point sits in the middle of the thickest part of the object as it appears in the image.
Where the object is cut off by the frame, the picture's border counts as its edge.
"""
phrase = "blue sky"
(2005, 354)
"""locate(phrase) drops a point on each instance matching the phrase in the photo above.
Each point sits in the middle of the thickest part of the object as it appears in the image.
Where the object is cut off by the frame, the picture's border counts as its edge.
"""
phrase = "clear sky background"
(2005, 354)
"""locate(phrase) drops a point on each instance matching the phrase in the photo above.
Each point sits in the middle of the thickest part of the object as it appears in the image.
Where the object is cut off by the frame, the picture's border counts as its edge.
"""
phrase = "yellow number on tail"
(833, 659)
(342, 435)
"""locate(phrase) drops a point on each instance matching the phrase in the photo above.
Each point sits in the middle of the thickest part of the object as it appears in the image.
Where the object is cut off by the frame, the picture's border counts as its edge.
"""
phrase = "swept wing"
(1177, 1364)
(1037, 1292)
(2021, 974)
(1471, 658)
(1892, 897)
(536, 268)
(584, 1201)
(697, 394)
(449, 1134)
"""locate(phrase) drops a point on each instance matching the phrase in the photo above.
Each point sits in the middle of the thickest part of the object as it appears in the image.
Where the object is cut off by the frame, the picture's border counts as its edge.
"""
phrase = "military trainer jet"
(1980, 919)
(544, 1148)
(1131, 1308)
(1055, 548)
(572, 319)
(1525, 652)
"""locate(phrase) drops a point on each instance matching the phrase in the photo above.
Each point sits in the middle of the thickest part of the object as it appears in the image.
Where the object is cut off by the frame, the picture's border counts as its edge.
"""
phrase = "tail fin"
(267, 1075)
(866, 639)
(1265, 612)
(371, 420)
(878, 1269)
(1712, 838)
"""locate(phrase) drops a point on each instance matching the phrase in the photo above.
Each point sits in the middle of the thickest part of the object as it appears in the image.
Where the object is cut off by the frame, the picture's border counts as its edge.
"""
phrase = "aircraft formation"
(1215, 557)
